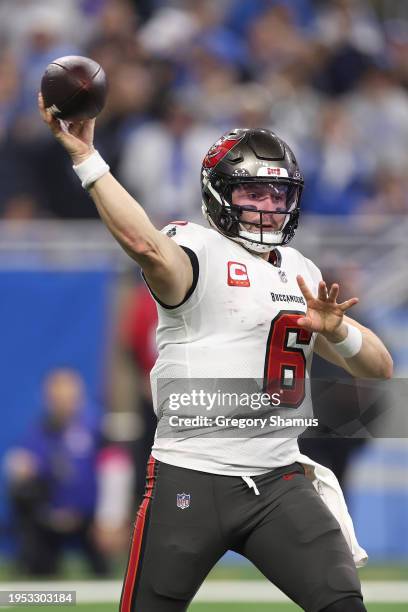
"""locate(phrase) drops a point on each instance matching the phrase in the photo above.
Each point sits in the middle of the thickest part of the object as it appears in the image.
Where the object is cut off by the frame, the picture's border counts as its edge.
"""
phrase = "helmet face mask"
(261, 169)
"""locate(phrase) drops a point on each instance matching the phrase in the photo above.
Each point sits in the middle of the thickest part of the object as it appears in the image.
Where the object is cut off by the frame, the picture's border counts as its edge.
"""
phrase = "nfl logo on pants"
(183, 500)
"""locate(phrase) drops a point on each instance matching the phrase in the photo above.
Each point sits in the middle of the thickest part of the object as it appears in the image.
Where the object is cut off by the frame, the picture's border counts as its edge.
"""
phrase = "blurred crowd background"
(77, 326)
(329, 76)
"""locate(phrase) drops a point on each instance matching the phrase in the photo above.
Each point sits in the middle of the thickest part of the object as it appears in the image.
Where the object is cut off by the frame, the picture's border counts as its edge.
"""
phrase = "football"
(74, 88)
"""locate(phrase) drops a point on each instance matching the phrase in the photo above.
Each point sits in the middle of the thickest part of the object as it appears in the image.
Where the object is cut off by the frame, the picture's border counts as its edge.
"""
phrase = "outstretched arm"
(166, 266)
(326, 317)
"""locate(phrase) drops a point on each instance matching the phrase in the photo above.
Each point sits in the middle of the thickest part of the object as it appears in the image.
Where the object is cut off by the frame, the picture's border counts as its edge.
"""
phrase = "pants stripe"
(137, 539)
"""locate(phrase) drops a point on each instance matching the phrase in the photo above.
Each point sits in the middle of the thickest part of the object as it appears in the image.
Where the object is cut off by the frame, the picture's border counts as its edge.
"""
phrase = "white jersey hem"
(202, 466)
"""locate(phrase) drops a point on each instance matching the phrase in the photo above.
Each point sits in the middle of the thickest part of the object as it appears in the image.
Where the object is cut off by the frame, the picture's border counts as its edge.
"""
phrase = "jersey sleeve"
(188, 235)
(191, 238)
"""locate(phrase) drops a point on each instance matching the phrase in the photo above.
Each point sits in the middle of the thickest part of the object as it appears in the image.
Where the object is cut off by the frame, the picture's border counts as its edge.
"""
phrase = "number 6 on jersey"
(285, 365)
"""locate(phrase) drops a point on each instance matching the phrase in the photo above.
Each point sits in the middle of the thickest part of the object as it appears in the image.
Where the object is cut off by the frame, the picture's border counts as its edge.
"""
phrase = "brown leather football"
(74, 88)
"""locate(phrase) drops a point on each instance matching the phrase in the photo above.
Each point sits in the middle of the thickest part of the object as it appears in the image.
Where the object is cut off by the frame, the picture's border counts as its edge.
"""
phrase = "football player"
(234, 303)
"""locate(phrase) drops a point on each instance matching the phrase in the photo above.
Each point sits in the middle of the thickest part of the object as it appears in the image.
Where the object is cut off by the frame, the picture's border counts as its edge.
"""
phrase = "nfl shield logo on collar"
(282, 276)
(183, 500)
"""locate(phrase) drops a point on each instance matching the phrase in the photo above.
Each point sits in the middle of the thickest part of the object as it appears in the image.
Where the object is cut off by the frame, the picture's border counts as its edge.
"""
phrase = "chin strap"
(252, 241)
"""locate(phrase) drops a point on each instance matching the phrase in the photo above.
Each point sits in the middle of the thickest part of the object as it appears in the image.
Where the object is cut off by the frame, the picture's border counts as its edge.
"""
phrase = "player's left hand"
(324, 315)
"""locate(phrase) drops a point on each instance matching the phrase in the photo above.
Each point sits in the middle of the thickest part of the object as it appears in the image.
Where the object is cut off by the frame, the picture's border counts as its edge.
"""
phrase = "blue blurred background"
(330, 77)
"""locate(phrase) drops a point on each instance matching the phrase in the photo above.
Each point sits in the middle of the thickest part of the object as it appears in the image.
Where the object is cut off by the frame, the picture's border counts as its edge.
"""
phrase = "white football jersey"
(236, 331)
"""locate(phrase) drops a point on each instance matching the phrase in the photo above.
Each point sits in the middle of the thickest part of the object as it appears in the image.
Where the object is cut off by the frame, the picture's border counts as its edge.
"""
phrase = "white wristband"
(351, 345)
(91, 169)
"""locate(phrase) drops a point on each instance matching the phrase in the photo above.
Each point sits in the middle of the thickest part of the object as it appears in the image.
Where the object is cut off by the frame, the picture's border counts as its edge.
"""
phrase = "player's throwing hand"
(324, 315)
(76, 137)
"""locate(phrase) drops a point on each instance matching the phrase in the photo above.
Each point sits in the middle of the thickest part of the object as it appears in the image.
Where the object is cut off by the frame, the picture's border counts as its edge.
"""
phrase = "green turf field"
(74, 568)
(210, 607)
(76, 571)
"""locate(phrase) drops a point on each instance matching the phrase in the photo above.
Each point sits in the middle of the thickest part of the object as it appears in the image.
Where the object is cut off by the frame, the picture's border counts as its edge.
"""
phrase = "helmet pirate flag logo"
(220, 149)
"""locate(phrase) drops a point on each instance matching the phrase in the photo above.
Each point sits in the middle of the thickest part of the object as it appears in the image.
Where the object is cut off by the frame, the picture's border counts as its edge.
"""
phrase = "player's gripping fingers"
(59, 128)
(304, 288)
(41, 106)
(47, 115)
(349, 303)
(76, 137)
